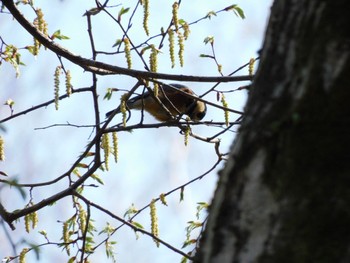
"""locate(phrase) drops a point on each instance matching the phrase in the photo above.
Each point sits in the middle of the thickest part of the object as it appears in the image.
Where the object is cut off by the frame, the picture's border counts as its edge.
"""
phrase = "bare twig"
(163, 124)
(45, 104)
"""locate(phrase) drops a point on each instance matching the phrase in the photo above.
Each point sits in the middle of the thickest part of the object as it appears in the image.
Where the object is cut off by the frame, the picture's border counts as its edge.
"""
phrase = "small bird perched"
(173, 100)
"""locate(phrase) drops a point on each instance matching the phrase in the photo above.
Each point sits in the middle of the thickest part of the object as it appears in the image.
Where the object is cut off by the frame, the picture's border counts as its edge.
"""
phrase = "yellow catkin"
(106, 149)
(186, 29)
(115, 146)
(37, 44)
(36, 22)
(187, 132)
(127, 50)
(68, 83)
(22, 255)
(35, 219)
(251, 66)
(162, 199)
(82, 218)
(145, 4)
(123, 109)
(181, 42)
(156, 89)
(66, 239)
(154, 221)
(30, 220)
(40, 23)
(176, 16)
(36, 47)
(171, 47)
(57, 86)
(226, 112)
(153, 60)
(27, 223)
(2, 149)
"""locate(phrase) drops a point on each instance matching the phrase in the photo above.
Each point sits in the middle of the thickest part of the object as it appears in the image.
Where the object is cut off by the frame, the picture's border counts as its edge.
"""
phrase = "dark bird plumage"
(172, 99)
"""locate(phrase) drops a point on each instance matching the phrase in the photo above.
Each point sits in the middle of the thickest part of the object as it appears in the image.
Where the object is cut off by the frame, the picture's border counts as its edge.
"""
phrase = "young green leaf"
(209, 39)
(210, 14)
(138, 225)
(117, 42)
(236, 9)
(122, 12)
(97, 178)
(58, 35)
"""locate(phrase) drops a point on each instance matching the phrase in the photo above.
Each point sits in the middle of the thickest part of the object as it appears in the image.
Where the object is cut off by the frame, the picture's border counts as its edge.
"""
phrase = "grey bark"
(284, 195)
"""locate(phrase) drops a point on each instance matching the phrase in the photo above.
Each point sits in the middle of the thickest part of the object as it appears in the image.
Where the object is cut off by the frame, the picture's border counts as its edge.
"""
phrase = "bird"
(172, 99)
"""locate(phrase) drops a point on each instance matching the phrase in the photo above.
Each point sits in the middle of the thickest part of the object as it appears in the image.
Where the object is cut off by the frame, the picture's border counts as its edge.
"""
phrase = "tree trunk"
(284, 195)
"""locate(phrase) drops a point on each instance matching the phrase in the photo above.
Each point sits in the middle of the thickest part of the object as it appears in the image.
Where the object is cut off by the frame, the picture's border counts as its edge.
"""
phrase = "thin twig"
(45, 104)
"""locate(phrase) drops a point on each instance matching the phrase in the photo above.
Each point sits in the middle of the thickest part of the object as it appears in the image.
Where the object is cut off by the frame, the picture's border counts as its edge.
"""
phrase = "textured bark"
(284, 194)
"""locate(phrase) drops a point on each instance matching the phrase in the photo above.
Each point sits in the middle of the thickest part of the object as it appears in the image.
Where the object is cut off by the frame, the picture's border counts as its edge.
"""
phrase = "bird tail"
(133, 103)
(108, 114)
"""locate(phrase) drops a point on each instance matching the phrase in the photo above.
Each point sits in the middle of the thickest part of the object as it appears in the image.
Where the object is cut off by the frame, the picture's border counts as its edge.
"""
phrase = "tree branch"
(101, 68)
